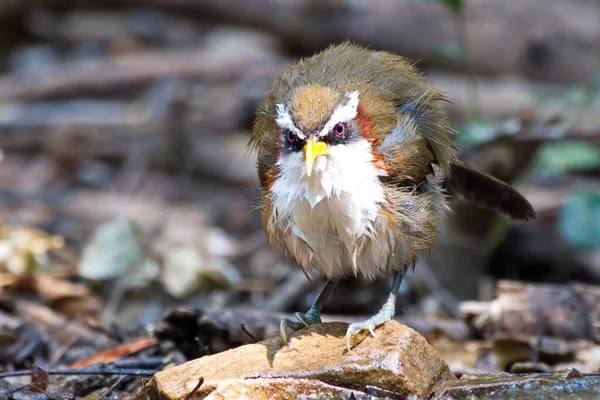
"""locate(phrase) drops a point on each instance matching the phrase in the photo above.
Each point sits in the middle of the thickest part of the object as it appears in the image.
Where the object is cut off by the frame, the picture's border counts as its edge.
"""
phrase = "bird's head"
(316, 123)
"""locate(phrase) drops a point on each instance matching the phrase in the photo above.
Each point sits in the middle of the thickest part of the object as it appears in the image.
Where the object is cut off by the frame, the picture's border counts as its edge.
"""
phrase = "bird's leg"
(385, 314)
(312, 316)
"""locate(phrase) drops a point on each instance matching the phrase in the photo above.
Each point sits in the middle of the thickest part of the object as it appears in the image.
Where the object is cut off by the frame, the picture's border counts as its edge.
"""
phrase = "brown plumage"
(355, 161)
(488, 192)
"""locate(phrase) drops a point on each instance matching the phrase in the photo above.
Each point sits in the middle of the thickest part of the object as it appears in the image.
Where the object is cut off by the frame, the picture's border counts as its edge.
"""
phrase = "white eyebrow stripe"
(343, 113)
(284, 120)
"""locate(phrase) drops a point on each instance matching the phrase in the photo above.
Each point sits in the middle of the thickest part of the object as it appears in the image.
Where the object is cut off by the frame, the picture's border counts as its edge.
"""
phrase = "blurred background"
(126, 190)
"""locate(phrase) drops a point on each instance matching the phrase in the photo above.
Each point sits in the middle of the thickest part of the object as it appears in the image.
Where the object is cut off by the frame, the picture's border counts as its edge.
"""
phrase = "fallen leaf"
(199, 271)
(115, 250)
(51, 288)
(25, 249)
(191, 250)
(39, 379)
(116, 353)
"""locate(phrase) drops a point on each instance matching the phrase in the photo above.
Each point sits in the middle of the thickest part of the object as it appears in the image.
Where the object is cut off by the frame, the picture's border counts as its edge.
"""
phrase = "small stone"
(282, 388)
(398, 360)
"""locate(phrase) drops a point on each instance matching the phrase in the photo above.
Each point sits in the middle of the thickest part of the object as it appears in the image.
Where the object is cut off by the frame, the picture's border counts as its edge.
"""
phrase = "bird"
(357, 167)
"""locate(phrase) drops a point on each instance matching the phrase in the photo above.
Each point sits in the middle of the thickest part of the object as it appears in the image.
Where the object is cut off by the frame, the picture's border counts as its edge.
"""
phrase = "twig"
(247, 332)
(46, 318)
(30, 385)
(194, 390)
(129, 363)
(61, 351)
(110, 309)
(110, 389)
(85, 371)
(135, 71)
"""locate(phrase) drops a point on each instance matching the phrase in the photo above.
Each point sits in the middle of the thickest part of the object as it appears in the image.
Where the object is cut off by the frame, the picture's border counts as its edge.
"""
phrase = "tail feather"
(488, 192)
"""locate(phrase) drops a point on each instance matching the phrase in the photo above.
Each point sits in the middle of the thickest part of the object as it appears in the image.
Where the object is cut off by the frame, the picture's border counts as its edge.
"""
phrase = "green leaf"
(455, 5)
(579, 220)
(566, 156)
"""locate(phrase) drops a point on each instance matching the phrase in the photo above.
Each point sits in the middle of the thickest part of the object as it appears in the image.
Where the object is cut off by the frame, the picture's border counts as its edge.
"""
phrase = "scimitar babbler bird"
(357, 167)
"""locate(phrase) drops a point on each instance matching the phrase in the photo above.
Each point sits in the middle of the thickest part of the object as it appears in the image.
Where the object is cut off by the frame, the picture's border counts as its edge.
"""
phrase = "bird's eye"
(339, 129)
(291, 137)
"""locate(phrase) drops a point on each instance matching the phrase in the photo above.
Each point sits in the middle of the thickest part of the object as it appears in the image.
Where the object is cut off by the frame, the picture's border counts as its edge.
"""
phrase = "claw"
(300, 317)
(356, 328)
(384, 315)
(285, 322)
(304, 321)
(372, 330)
(312, 316)
(348, 337)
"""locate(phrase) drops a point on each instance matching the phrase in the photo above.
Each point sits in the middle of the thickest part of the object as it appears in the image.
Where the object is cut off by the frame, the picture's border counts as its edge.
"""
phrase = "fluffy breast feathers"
(343, 219)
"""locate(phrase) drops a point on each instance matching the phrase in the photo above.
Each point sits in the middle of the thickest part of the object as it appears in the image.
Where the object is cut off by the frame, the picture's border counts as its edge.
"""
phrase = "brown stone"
(398, 360)
(282, 388)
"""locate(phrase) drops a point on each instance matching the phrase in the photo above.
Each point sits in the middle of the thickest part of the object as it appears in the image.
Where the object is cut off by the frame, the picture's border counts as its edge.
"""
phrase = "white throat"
(348, 171)
(333, 209)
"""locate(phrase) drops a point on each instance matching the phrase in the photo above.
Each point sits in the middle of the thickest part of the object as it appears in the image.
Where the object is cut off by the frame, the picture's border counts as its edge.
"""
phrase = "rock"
(398, 360)
(524, 311)
(557, 385)
(282, 388)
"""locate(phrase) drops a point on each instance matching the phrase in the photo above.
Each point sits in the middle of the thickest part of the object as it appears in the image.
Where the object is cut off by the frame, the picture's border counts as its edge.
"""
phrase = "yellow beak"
(312, 150)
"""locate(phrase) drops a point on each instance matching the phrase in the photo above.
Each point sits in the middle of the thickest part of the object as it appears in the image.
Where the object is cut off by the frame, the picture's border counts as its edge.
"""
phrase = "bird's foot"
(386, 313)
(311, 317)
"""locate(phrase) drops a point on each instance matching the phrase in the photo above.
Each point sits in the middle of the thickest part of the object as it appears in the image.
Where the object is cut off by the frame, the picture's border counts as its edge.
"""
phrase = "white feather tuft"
(284, 120)
(342, 113)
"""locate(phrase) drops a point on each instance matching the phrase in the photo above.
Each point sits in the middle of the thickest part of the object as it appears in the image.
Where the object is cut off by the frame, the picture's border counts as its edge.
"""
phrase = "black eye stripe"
(342, 133)
(291, 137)
(291, 141)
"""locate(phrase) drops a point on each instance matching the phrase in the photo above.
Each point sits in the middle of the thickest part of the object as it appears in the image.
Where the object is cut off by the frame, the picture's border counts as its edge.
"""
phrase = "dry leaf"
(116, 353)
(39, 379)
(114, 251)
(51, 288)
(186, 270)
(25, 249)
(193, 255)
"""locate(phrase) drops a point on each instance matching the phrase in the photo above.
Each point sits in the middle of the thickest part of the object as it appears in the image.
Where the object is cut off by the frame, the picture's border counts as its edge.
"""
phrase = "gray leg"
(312, 316)
(386, 313)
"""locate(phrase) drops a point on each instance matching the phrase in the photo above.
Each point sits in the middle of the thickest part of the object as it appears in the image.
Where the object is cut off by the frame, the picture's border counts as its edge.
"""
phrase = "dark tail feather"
(486, 191)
